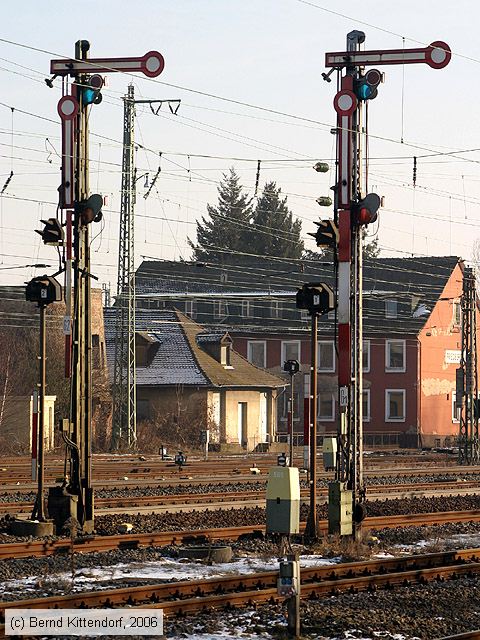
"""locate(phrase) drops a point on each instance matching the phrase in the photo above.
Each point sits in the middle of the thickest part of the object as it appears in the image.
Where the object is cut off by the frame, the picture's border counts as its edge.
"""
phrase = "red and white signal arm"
(151, 65)
(437, 55)
(67, 110)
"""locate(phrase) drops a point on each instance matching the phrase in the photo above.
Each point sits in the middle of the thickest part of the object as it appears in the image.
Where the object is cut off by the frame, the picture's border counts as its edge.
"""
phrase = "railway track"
(186, 480)
(253, 498)
(188, 596)
(88, 544)
(468, 635)
(116, 468)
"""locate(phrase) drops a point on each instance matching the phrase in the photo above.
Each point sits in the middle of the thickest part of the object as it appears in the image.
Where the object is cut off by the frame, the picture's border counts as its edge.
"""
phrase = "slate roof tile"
(179, 359)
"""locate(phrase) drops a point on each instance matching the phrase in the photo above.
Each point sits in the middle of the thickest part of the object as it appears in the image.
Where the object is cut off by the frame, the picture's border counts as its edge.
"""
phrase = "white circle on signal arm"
(152, 64)
(345, 102)
(438, 55)
(68, 107)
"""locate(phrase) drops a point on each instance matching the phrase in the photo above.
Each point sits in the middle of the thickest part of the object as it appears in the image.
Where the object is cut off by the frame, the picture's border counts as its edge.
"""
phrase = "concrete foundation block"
(215, 554)
(32, 528)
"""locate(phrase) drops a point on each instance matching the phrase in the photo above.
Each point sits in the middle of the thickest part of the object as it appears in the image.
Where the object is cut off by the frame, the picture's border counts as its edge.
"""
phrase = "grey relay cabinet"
(283, 500)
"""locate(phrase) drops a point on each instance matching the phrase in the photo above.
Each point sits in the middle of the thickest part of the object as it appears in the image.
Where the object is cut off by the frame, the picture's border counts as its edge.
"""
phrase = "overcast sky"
(268, 53)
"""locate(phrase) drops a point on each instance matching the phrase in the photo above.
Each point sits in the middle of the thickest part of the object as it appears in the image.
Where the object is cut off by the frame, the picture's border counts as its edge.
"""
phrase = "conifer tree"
(225, 235)
(274, 232)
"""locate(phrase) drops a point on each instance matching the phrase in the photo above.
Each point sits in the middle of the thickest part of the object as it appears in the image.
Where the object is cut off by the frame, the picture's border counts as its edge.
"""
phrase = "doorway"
(242, 424)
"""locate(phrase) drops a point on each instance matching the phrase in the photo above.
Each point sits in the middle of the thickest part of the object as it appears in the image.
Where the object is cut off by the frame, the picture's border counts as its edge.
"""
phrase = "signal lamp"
(52, 234)
(324, 201)
(90, 210)
(326, 234)
(366, 211)
(91, 91)
(365, 86)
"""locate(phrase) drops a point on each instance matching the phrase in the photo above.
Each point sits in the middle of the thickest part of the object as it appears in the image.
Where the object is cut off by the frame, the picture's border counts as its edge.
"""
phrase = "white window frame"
(326, 369)
(457, 306)
(217, 309)
(275, 309)
(245, 309)
(390, 314)
(455, 418)
(284, 349)
(249, 351)
(297, 400)
(331, 314)
(191, 308)
(304, 315)
(388, 368)
(367, 350)
(367, 418)
(330, 418)
(387, 404)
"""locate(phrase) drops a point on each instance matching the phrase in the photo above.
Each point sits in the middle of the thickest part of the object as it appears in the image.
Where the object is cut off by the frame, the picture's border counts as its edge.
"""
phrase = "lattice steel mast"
(467, 375)
(124, 426)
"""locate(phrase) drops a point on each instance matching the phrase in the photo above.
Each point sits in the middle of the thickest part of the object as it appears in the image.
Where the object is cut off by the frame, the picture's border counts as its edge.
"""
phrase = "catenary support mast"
(467, 374)
(124, 426)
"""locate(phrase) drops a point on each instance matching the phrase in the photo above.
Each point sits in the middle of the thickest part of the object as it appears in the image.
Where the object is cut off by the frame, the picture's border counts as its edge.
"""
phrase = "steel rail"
(40, 548)
(376, 492)
(193, 595)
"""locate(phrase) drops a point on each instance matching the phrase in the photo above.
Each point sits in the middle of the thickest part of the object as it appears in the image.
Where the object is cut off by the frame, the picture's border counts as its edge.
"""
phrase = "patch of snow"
(459, 540)
(162, 569)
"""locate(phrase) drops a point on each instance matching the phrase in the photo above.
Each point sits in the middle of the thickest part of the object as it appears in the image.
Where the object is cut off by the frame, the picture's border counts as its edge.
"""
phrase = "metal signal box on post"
(340, 509)
(43, 290)
(283, 501)
(289, 578)
(316, 297)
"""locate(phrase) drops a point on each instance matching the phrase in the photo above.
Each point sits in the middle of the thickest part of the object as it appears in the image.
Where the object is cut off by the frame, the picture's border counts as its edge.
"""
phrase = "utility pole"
(75, 497)
(39, 506)
(354, 208)
(467, 375)
(43, 290)
(317, 298)
(124, 423)
(311, 530)
(292, 367)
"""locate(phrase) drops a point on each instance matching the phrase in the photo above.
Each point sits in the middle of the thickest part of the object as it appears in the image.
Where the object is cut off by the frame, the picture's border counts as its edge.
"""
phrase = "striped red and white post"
(345, 103)
(67, 110)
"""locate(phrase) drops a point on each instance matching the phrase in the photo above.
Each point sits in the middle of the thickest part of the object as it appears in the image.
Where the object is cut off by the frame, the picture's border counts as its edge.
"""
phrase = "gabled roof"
(172, 363)
(413, 282)
(180, 359)
(241, 373)
(206, 337)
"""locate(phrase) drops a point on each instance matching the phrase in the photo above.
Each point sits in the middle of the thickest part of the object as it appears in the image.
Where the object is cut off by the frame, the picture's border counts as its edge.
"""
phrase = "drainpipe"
(419, 393)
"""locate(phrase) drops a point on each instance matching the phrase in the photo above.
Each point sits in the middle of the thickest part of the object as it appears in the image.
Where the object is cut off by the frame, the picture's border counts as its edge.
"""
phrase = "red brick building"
(412, 337)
